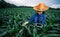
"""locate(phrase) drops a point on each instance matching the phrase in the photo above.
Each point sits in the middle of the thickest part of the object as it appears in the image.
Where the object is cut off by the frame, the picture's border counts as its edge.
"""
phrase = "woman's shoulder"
(34, 14)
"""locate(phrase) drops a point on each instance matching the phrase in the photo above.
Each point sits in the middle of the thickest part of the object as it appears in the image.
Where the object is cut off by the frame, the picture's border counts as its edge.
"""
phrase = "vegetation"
(11, 20)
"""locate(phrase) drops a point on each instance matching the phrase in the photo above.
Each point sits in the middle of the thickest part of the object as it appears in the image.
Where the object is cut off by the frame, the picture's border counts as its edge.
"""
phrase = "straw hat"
(40, 7)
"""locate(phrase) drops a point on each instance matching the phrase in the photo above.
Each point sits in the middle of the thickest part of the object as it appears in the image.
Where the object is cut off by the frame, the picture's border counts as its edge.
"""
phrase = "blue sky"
(57, 1)
(32, 2)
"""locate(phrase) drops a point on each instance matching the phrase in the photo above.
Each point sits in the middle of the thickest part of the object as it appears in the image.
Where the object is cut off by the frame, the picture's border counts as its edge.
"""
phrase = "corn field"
(11, 20)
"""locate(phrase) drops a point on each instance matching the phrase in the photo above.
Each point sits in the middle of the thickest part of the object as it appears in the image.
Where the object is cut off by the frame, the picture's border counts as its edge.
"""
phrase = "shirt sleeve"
(31, 19)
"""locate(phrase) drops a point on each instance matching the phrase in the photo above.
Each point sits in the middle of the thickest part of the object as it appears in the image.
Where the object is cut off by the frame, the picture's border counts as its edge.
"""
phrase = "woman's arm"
(30, 20)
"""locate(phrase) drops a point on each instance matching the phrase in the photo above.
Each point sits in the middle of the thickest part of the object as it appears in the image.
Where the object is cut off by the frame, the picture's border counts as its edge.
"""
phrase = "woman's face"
(40, 12)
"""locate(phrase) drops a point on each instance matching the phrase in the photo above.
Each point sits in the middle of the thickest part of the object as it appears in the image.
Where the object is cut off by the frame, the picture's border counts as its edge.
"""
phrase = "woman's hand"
(24, 24)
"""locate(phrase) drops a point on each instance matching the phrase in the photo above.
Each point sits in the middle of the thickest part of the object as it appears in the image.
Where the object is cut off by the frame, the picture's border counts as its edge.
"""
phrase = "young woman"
(39, 17)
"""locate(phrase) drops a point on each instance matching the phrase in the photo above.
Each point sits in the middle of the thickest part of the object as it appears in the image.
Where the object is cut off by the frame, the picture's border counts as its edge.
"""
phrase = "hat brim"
(37, 8)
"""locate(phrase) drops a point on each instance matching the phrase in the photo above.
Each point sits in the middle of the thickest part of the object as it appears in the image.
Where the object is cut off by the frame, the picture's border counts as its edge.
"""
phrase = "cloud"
(29, 2)
(55, 6)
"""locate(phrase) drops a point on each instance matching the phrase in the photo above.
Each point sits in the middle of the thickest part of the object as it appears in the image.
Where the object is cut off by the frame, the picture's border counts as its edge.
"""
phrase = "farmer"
(39, 17)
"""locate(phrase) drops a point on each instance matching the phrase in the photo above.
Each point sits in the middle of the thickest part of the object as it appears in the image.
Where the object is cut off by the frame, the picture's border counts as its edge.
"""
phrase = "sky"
(32, 2)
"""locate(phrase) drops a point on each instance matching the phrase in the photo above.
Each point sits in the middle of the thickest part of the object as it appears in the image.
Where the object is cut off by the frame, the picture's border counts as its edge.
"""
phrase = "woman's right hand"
(24, 24)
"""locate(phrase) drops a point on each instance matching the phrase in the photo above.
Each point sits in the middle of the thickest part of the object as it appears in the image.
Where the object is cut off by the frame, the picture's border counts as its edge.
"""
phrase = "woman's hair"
(43, 12)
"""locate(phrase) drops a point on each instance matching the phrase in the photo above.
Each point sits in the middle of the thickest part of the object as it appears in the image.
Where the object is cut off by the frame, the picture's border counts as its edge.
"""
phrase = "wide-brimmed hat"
(40, 7)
